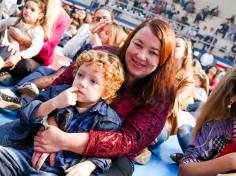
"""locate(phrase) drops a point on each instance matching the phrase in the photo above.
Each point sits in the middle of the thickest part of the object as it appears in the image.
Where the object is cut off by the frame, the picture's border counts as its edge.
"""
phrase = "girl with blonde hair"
(117, 35)
(30, 24)
(178, 121)
(185, 85)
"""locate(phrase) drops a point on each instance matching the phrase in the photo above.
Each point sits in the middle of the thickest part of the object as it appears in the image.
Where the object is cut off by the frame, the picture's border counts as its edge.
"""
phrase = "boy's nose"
(82, 83)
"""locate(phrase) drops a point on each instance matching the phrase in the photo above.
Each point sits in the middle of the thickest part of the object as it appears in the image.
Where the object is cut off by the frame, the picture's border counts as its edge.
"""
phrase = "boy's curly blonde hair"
(111, 67)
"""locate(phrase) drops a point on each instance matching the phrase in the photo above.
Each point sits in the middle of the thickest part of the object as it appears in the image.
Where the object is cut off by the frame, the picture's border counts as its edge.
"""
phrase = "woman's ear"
(233, 98)
(41, 15)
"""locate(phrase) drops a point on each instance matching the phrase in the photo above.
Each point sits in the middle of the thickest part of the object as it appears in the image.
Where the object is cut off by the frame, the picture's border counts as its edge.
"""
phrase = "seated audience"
(143, 102)
(184, 91)
(54, 27)
(212, 149)
(30, 25)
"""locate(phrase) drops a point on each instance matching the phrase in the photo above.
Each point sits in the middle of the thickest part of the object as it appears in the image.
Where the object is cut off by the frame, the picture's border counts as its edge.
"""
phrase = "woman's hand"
(39, 158)
(12, 61)
(50, 140)
(81, 169)
(96, 27)
(232, 160)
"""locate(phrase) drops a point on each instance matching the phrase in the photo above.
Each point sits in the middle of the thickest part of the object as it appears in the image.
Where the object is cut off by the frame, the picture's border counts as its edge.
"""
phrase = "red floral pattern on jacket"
(141, 125)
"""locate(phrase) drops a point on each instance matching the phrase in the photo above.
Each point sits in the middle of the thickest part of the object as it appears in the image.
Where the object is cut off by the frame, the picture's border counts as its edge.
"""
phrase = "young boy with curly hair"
(77, 108)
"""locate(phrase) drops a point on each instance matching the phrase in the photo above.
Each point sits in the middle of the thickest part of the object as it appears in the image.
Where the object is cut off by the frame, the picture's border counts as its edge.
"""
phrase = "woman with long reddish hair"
(143, 103)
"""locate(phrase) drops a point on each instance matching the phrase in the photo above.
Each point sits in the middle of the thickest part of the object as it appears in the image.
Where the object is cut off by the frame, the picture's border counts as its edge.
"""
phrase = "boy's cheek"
(74, 84)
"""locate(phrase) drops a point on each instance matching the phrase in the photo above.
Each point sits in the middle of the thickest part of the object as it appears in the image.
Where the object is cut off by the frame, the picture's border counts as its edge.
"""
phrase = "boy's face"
(90, 83)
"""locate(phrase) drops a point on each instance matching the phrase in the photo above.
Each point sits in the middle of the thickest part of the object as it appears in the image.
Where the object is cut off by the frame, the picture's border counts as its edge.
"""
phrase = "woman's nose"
(142, 55)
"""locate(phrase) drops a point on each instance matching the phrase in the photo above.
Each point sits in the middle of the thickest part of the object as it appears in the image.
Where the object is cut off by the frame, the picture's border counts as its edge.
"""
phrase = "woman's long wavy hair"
(117, 35)
(159, 86)
(186, 66)
(215, 107)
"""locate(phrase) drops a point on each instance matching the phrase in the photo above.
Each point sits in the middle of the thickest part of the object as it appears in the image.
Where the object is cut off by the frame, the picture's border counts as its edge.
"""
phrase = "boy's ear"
(105, 95)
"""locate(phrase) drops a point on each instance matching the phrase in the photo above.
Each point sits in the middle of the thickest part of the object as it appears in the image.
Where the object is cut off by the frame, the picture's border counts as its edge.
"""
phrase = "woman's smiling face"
(143, 54)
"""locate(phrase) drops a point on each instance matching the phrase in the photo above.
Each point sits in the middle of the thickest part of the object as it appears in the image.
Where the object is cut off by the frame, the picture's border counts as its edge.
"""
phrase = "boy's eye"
(93, 81)
(79, 74)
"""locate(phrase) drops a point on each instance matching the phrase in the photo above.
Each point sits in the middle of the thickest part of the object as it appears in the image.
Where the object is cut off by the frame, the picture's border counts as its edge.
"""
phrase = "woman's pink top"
(47, 52)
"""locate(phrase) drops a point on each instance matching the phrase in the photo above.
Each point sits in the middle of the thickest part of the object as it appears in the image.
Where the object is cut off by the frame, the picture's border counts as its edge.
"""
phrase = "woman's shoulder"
(217, 127)
(63, 17)
(38, 29)
(184, 76)
(219, 121)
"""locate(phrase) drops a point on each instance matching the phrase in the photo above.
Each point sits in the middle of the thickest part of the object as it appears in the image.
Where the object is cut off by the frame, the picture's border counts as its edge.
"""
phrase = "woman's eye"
(153, 53)
(137, 44)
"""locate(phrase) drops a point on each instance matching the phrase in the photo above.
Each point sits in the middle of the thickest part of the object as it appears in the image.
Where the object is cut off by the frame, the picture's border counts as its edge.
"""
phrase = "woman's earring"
(230, 104)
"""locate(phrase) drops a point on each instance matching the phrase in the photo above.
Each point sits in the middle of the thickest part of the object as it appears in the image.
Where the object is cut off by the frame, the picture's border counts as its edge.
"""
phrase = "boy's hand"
(39, 158)
(81, 169)
(66, 98)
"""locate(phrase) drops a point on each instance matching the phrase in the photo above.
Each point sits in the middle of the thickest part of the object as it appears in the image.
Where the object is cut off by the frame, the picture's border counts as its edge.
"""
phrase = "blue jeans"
(163, 136)
(38, 73)
(16, 162)
(184, 135)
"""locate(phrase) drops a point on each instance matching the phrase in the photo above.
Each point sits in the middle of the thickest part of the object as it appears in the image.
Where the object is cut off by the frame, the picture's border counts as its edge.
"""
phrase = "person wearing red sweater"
(143, 102)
